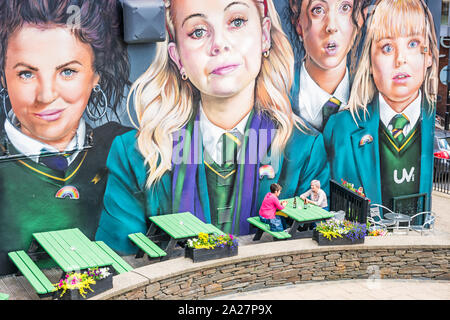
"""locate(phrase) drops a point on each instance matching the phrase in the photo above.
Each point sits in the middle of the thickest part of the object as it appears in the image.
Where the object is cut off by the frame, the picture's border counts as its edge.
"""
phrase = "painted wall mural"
(109, 118)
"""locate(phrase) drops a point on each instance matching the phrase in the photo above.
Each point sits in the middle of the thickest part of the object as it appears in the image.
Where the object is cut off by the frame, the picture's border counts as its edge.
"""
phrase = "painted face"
(49, 74)
(327, 31)
(398, 68)
(219, 44)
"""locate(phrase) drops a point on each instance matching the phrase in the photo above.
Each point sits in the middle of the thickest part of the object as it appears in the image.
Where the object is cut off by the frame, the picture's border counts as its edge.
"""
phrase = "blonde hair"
(394, 18)
(164, 103)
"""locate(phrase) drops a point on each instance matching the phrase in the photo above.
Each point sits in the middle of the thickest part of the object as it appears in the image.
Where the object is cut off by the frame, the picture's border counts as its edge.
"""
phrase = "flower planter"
(199, 255)
(99, 287)
(322, 241)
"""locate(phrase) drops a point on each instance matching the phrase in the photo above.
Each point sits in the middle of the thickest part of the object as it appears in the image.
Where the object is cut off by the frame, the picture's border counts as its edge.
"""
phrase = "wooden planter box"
(199, 255)
(99, 287)
(322, 241)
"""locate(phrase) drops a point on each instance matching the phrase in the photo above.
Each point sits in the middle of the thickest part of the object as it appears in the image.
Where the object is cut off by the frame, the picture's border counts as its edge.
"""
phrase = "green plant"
(206, 241)
(333, 228)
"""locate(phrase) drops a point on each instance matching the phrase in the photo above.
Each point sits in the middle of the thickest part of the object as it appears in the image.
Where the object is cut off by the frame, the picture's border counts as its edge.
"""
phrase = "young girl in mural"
(56, 62)
(326, 32)
(221, 79)
(384, 141)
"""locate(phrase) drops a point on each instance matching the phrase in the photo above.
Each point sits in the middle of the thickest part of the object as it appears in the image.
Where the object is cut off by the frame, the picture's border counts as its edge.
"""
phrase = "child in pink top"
(270, 206)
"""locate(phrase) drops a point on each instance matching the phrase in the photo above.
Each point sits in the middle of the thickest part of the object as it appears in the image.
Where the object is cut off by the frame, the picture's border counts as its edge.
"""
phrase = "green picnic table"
(303, 215)
(71, 250)
(177, 227)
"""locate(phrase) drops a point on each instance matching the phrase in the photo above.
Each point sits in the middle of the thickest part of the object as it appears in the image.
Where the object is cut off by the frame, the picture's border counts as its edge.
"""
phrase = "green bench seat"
(120, 265)
(4, 296)
(281, 235)
(147, 245)
(31, 272)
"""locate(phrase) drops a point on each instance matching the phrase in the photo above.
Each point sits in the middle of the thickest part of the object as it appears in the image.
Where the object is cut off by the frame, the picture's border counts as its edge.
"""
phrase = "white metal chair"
(376, 216)
(375, 225)
(428, 224)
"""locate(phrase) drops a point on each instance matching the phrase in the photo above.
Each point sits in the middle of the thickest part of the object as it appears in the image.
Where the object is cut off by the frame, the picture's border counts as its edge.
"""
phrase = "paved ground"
(377, 289)
(19, 289)
(352, 290)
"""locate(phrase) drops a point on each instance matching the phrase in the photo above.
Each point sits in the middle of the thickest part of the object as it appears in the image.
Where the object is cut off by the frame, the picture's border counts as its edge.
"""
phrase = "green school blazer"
(128, 204)
(353, 150)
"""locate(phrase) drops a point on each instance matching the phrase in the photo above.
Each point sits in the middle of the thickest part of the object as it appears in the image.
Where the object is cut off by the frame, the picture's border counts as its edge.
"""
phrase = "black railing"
(441, 176)
(356, 207)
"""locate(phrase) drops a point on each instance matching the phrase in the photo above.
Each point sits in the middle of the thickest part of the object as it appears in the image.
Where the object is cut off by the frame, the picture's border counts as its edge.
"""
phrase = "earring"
(184, 76)
(266, 53)
(91, 113)
(4, 96)
(300, 38)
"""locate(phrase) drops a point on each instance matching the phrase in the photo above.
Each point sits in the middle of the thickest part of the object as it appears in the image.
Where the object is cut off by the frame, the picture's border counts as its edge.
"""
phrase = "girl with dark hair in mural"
(58, 59)
(325, 32)
(219, 83)
(388, 130)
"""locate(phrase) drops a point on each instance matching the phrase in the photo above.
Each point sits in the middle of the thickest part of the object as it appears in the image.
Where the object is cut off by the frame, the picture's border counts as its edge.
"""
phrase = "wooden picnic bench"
(71, 250)
(119, 265)
(177, 227)
(303, 215)
(264, 227)
(32, 273)
(146, 245)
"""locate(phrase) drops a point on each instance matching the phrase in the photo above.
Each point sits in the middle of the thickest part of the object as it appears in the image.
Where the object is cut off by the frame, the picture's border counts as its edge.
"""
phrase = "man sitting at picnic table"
(317, 196)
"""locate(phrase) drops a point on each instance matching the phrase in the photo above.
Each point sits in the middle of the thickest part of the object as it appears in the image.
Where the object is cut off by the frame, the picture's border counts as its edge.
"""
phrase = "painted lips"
(222, 70)
(50, 115)
(401, 78)
(331, 48)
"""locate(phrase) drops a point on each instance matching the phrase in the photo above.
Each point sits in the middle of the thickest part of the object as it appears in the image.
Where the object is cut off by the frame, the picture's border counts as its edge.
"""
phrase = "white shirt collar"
(32, 148)
(312, 97)
(211, 135)
(412, 112)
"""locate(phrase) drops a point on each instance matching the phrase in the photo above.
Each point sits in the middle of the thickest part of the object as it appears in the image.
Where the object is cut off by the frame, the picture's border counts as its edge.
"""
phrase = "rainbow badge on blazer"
(266, 170)
(69, 192)
(365, 140)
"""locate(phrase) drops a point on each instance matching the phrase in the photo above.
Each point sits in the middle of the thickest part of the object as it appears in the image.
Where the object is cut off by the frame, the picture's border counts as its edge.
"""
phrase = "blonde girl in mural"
(216, 94)
(388, 129)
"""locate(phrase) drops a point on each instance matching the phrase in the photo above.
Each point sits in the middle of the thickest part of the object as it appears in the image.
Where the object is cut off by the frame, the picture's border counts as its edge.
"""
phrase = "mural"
(57, 62)
(232, 98)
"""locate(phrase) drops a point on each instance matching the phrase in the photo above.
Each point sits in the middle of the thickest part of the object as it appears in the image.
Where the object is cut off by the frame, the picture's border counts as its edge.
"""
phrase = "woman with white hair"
(317, 196)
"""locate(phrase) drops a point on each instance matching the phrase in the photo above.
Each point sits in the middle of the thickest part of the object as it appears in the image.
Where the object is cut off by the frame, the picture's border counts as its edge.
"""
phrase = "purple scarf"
(189, 188)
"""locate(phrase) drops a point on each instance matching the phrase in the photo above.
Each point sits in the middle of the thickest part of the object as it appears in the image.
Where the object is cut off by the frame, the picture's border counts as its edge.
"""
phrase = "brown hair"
(98, 24)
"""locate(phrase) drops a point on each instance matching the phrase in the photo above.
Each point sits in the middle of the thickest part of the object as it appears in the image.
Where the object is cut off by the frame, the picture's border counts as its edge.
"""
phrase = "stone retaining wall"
(245, 272)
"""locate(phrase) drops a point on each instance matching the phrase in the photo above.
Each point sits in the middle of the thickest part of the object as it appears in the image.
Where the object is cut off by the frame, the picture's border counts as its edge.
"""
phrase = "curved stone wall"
(280, 263)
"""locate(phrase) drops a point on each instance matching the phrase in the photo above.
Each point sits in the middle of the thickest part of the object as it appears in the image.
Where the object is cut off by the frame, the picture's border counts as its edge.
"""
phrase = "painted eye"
(413, 44)
(387, 48)
(318, 10)
(198, 33)
(68, 73)
(239, 22)
(26, 75)
(346, 8)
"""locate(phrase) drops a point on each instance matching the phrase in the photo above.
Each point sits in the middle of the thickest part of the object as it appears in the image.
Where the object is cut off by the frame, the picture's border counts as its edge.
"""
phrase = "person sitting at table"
(317, 196)
(269, 207)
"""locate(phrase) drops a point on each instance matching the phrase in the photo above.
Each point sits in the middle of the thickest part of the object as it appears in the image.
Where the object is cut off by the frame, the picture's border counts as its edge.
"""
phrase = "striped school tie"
(398, 123)
(231, 142)
(330, 108)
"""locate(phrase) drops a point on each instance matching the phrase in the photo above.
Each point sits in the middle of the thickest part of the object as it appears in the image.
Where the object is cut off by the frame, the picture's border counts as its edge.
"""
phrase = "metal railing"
(356, 207)
(441, 175)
